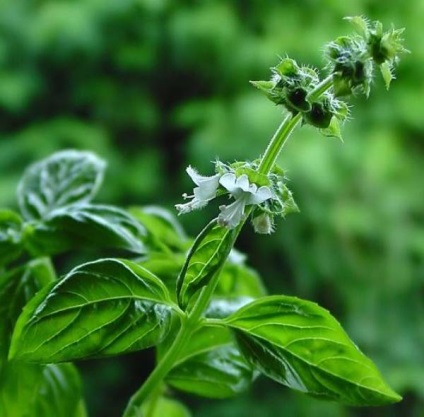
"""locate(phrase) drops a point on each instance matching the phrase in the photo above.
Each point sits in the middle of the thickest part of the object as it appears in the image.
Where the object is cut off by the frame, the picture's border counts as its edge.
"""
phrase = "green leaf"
(163, 407)
(99, 309)
(205, 259)
(40, 391)
(237, 279)
(10, 236)
(221, 307)
(211, 366)
(166, 266)
(65, 178)
(299, 344)
(17, 287)
(163, 230)
(60, 393)
(85, 225)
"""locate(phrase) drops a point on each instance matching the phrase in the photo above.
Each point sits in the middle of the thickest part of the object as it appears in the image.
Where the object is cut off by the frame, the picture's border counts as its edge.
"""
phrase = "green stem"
(321, 88)
(151, 408)
(277, 143)
(155, 379)
(192, 320)
(189, 325)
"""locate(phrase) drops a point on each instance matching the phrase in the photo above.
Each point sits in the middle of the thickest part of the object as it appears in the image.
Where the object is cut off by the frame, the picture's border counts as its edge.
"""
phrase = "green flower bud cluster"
(292, 86)
(352, 58)
(351, 61)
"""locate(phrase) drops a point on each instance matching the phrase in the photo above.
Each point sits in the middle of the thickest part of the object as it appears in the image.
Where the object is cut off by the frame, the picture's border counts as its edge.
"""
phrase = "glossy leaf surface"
(300, 345)
(86, 225)
(99, 309)
(211, 366)
(65, 178)
(205, 259)
(40, 391)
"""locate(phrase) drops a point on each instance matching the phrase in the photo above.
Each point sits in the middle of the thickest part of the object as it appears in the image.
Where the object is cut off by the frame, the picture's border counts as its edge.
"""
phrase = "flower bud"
(263, 224)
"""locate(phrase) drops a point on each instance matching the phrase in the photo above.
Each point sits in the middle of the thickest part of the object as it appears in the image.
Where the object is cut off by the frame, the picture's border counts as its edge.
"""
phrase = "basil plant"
(195, 300)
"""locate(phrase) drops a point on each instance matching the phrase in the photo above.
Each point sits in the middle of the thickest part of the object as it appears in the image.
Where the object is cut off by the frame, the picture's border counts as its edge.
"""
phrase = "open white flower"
(202, 194)
(244, 193)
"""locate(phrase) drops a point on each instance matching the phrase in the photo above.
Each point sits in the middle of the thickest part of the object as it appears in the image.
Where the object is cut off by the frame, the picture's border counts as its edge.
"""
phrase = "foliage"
(68, 67)
(111, 307)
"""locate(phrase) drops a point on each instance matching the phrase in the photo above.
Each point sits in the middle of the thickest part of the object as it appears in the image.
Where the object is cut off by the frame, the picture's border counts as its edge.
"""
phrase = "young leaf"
(205, 259)
(99, 309)
(40, 391)
(85, 225)
(299, 344)
(211, 366)
(65, 178)
(10, 236)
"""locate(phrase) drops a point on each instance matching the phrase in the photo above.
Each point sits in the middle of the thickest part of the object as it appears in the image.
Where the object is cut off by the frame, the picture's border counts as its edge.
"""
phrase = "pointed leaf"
(299, 344)
(10, 236)
(85, 225)
(63, 179)
(99, 309)
(204, 261)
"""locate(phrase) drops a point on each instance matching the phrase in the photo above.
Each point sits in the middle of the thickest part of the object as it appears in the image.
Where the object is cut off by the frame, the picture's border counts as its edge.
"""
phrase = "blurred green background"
(153, 85)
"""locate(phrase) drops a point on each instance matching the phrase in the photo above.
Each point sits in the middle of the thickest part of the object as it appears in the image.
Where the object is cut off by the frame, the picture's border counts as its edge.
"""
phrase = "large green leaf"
(63, 179)
(205, 259)
(28, 390)
(99, 309)
(10, 236)
(211, 365)
(299, 344)
(85, 225)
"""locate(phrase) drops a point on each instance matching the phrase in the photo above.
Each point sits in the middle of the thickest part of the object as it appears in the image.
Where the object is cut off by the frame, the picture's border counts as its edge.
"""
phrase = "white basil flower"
(202, 194)
(244, 193)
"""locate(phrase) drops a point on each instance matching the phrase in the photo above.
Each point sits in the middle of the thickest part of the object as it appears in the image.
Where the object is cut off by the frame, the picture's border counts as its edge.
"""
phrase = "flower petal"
(262, 194)
(228, 181)
(194, 204)
(243, 183)
(202, 179)
(231, 215)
